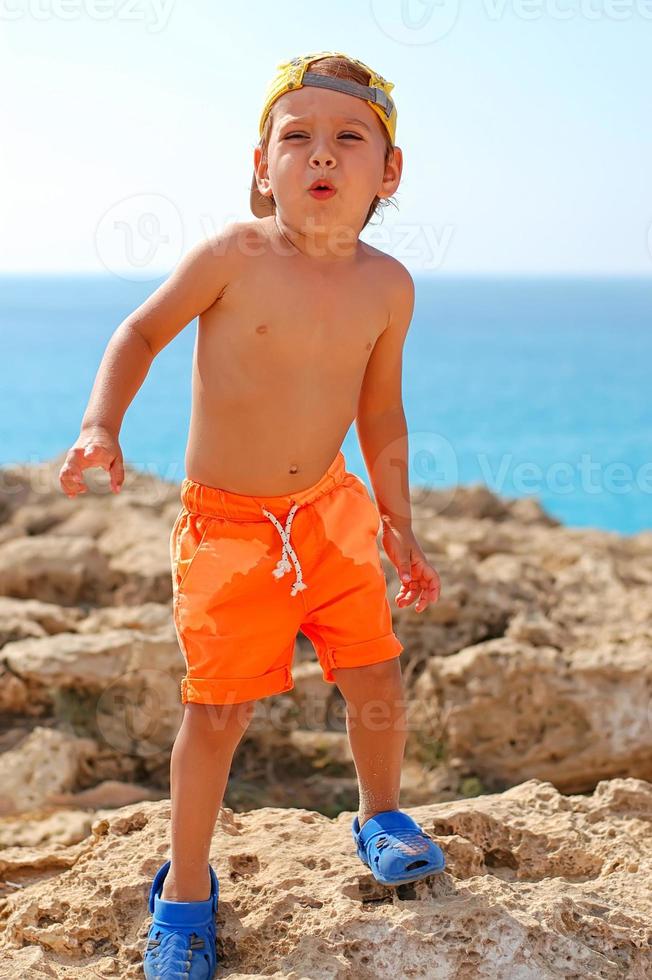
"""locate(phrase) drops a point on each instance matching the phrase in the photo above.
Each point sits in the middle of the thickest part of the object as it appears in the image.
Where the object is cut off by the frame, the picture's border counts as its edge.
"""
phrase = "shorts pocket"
(188, 536)
(371, 509)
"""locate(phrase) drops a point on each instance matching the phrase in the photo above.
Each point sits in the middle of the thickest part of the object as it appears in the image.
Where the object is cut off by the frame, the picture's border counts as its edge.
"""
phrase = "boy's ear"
(261, 173)
(393, 171)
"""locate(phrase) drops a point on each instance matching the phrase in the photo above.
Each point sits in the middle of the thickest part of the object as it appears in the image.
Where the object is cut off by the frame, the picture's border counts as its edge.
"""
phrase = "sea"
(532, 387)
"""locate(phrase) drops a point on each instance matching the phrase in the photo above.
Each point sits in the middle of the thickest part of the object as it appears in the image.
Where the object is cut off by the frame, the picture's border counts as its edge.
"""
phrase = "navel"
(294, 468)
(262, 328)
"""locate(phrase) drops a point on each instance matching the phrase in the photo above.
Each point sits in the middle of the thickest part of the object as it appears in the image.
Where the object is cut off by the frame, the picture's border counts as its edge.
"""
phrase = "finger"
(404, 586)
(117, 474)
(427, 596)
(71, 465)
(409, 597)
(428, 578)
(418, 590)
(71, 479)
(422, 601)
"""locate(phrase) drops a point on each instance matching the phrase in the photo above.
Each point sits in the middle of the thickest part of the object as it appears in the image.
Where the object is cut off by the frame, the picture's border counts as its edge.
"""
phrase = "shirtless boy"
(301, 331)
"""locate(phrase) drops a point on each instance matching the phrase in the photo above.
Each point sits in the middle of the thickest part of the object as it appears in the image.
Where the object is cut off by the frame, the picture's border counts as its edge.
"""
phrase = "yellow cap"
(293, 74)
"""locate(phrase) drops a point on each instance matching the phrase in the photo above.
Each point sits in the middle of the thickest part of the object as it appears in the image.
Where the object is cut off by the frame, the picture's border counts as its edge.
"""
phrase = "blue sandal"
(396, 849)
(181, 938)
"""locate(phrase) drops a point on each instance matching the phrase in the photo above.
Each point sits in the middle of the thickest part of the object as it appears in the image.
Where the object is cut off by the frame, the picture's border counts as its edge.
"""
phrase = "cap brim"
(260, 205)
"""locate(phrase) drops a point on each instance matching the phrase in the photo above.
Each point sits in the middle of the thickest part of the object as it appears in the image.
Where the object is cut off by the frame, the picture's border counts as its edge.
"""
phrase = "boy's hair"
(337, 67)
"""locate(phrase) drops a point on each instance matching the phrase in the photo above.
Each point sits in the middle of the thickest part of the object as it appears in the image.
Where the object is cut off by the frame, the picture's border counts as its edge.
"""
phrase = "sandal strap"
(387, 822)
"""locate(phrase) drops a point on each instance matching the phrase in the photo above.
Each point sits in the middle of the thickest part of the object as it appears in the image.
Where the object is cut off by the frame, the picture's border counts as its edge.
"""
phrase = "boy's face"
(321, 133)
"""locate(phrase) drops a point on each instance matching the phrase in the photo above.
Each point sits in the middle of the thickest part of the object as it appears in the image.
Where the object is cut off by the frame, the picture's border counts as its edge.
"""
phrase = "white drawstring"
(283, 564)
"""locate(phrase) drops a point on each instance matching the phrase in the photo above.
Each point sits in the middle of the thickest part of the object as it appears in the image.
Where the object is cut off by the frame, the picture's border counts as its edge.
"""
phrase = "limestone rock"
(127, 681)
(511, 711)
(22, 618)
(537, 886)
(45, 762)
(53, 569)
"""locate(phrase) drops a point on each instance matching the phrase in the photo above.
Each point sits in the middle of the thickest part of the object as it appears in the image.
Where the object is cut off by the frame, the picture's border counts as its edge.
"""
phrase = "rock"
(32, 519)
(537, 886)
(311, 695)
(22, 618)
(43, 826)
(148, 617)
(533, 627)
(54, 569)
(45, 762)
(478, 502)
(325, 750)
(109, 793)
(139, 554)
(89, 661)
(120, 684)
(510, 711)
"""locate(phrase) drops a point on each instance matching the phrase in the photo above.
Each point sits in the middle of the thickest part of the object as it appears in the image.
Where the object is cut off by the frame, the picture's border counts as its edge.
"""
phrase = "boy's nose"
(322, 157)
(322, 160)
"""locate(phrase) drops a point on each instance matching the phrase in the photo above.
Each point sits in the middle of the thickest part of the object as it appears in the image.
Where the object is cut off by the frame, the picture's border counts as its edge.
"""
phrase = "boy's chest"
(325, 327)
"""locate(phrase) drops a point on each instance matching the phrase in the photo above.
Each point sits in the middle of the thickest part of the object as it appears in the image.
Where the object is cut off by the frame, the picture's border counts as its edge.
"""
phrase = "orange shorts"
(249, 572)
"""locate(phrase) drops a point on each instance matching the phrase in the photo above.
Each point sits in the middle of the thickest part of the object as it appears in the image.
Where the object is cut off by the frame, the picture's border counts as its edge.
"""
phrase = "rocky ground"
(538, 885)
(533, 671)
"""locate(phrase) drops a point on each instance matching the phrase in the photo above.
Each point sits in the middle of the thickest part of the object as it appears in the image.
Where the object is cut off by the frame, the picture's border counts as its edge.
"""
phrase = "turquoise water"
(534, 387)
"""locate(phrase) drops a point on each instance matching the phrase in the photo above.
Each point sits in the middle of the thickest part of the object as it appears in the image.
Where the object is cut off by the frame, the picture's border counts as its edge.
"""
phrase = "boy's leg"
(199, 770)
(376, 723)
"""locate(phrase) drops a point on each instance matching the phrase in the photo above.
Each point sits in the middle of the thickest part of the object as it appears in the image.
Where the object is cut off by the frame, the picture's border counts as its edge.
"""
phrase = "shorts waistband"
(200, 498)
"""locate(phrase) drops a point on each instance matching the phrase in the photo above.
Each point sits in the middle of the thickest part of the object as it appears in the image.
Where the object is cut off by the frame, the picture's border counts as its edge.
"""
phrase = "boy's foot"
(181, 938)
(396, 849)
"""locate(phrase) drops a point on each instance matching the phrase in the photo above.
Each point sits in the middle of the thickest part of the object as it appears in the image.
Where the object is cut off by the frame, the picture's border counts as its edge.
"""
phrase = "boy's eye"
(291, 136)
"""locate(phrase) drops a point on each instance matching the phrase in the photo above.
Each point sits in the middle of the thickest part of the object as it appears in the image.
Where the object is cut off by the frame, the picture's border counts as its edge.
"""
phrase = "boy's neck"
(325, 245)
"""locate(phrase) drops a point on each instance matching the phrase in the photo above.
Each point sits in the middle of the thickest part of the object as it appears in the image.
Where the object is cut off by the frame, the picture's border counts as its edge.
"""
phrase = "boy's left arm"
(382, 433)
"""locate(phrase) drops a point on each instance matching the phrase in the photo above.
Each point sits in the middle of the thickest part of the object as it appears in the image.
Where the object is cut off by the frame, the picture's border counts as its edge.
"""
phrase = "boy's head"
(326, 115)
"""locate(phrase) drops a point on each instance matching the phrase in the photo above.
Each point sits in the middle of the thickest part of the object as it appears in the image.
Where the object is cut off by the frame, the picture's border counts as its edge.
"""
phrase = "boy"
(301, 331)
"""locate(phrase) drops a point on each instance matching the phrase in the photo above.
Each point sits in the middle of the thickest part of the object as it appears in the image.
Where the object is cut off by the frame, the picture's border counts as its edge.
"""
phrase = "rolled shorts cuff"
(360, 654)
(233, 690)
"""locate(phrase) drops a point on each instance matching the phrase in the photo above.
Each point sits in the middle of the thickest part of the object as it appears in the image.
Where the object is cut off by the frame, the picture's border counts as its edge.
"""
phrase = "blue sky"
(525, 127)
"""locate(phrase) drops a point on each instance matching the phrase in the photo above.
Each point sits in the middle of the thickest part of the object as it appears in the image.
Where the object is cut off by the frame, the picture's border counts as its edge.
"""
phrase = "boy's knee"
(367, 678)
(220, 719)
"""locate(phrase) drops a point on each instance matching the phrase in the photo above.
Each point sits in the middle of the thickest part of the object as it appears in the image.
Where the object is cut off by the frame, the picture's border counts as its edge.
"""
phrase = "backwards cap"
(293, 74)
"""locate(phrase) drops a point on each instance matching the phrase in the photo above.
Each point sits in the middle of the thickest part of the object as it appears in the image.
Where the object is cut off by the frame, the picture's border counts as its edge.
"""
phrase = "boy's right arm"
(195, 284)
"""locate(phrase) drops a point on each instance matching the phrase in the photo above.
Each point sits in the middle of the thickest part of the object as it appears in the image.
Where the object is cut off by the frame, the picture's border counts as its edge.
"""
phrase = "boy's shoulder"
(398, 290)
(397, 275)
(218, 257)
(232, 239)
(398, 284)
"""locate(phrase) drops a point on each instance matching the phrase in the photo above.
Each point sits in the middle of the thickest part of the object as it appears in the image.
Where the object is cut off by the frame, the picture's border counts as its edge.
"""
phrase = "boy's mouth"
(321, 189)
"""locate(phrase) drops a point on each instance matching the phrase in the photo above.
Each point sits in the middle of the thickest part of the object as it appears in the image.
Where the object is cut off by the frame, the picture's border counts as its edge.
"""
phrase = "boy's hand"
(416, 574)
(94, 447)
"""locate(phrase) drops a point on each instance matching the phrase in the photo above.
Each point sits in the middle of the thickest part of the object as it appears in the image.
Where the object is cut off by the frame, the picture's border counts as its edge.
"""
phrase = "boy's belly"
(272, 447)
